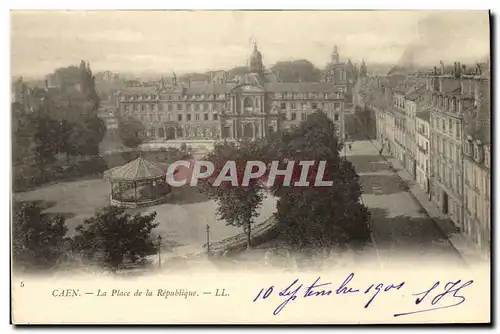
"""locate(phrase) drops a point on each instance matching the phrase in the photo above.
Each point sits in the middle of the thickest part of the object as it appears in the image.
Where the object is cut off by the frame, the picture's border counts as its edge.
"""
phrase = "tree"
(95, 130)
(37, 238)
(317, 218)
(45, 132)
(130, 131)
(237, 204)
(66, 143)
(113, 236)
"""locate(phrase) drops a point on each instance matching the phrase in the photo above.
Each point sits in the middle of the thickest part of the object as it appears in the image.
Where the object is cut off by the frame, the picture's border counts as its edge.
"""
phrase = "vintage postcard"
(250, 167)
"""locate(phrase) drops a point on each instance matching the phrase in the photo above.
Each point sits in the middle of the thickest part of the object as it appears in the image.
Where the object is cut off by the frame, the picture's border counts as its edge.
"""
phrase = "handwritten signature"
(319, 288)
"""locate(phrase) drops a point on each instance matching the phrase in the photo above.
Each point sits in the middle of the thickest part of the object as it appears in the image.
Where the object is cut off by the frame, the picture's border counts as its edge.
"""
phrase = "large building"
(251, 106)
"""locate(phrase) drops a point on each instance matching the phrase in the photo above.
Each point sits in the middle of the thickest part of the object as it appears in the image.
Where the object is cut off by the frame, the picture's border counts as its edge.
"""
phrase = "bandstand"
(138, 183)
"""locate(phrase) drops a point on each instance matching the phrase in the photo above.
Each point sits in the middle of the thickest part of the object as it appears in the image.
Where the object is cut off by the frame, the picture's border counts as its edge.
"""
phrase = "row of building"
(437, 125)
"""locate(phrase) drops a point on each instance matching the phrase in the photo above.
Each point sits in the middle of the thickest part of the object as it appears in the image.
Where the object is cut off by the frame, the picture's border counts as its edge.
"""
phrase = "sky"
(186, 41)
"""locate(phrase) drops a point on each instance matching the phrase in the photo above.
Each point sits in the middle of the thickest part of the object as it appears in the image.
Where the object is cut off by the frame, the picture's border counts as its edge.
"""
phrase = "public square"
(183, 218)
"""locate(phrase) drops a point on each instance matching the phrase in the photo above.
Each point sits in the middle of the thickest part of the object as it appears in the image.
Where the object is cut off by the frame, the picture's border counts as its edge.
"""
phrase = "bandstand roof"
(138, 169)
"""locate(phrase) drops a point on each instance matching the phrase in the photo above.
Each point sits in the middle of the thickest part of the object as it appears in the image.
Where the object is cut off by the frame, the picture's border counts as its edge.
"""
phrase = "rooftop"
(136, 170)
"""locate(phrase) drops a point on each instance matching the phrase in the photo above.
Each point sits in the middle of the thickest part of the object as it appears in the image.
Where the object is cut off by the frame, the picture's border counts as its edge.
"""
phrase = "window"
(214, 117)
(179, 117)
(188, 117)
(443, 125)
(205, 117)
(336, 106)
(205, 106)
(336, 117)
(179, 106)
(283, 105)
(293, 116)
(153, 107)
(293, 106)
(457, 131)
(188, 107)
(450, 126)
(314, 105)
(197, 117)
(169, 107)
(196, 107)
(169, 117)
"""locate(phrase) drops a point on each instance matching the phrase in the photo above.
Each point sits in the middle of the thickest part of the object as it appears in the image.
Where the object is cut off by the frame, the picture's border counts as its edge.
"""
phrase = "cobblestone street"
(402, 229)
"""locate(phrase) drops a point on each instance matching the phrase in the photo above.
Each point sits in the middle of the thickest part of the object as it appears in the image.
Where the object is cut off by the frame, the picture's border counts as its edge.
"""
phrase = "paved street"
(402, 229)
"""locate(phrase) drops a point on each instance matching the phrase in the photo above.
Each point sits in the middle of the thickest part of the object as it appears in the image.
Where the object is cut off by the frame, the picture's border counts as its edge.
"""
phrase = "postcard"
(250, 167)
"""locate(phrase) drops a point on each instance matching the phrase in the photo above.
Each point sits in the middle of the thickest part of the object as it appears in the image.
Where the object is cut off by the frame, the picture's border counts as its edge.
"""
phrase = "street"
(402, 230)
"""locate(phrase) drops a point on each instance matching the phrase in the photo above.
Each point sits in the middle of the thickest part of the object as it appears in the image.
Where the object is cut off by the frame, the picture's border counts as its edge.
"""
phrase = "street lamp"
(208, 239)
(159, 251)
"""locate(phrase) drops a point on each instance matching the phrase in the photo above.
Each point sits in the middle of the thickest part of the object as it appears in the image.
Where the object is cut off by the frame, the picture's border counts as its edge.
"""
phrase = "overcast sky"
(198, 41)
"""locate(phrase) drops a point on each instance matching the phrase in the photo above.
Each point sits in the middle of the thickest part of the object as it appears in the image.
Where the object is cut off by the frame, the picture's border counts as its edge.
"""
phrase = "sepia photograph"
(245, 161)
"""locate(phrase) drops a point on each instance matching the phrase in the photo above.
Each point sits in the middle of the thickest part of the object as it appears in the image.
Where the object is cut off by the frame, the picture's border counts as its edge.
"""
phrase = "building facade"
(250, 107)
(477, 165)
(400, 126)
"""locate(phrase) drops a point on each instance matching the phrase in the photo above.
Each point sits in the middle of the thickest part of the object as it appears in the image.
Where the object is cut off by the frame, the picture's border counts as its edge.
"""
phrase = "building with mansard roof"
(342, 74)
(251, 106)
